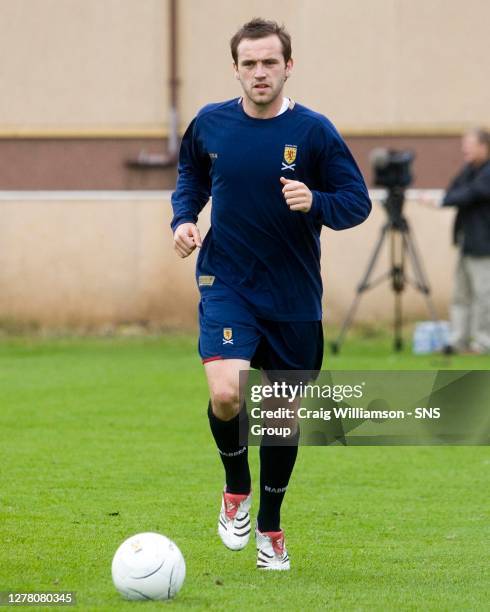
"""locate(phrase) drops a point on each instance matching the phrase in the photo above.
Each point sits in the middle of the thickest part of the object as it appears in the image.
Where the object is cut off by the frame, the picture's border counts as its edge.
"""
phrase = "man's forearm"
(459, 196)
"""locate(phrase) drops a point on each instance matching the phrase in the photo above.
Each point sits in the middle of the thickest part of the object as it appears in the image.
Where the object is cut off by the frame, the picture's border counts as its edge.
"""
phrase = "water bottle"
(430, 337)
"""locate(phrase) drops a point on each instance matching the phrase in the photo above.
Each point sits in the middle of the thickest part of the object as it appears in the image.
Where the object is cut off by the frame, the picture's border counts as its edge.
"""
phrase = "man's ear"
(289, 67)
(235, 68)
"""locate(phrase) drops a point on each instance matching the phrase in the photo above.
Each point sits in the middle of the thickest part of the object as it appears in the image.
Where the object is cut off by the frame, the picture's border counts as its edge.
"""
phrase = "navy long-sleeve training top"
(256, 245)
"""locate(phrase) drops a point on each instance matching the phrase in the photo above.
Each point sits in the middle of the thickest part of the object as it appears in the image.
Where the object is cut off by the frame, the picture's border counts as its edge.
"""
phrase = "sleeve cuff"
(176, 222)
(315, 211)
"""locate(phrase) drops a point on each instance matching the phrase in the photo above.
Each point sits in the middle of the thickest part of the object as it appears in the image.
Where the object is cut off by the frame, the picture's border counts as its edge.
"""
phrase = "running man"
(277, 172)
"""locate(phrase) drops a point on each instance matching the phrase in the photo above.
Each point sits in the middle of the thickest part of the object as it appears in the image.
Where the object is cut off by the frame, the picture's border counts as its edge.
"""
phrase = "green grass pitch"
(104, 438)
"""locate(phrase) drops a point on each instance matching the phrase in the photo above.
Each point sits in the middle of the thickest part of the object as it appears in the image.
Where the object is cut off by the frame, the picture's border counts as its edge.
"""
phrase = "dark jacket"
(470, 193)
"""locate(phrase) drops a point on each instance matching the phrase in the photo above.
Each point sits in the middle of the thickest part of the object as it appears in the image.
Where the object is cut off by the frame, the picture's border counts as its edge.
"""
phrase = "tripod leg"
(336, 344)
(397, 323)
(398, 248)
(363, 286)
(420, 276)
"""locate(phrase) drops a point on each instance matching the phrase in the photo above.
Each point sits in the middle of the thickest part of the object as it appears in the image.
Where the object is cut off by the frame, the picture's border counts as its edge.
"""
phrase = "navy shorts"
(229, 330)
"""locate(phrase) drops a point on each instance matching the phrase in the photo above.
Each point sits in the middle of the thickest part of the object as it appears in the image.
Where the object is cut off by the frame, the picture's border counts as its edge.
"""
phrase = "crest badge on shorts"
(227, 335)
(290, 153)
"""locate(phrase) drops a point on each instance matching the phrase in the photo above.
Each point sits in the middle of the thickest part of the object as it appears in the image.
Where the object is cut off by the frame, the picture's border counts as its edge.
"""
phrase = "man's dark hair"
(260, 28)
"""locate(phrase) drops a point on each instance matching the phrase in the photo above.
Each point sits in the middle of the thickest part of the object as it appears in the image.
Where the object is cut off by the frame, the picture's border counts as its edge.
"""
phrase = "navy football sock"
(276, 467)
(233, 454)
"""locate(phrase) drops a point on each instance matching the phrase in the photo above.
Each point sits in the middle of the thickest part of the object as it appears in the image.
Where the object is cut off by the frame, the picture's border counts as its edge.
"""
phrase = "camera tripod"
(402, 246)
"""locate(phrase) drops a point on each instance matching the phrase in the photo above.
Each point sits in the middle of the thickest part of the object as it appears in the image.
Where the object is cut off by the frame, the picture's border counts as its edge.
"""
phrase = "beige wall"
(88, 259)
(368, 64)
(95, 65)
(82, 64)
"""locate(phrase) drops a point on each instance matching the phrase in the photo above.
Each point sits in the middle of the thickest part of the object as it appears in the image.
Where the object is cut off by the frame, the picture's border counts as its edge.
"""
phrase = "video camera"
(392, 168)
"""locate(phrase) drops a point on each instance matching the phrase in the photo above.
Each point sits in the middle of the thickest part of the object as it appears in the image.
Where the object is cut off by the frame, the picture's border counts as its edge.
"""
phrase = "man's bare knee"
(223, 380)
(225, 402)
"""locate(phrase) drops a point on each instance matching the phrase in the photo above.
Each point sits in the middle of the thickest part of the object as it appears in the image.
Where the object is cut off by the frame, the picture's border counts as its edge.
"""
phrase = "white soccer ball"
(148, 566)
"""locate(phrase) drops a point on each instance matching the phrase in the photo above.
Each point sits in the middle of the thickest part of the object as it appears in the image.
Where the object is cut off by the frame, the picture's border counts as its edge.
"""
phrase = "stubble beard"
(264, 101)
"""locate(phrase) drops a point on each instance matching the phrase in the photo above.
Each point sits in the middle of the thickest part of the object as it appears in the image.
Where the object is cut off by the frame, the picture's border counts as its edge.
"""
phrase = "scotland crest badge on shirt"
(290, 153)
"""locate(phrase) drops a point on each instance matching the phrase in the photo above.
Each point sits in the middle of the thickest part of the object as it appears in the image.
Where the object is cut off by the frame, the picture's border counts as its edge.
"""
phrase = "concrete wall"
(370, 65)
(101, 67)
(92, 258)
(82, 65)
(85, 83)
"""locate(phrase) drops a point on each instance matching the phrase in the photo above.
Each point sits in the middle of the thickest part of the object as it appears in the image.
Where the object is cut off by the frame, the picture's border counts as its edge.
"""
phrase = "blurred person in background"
(469, 192)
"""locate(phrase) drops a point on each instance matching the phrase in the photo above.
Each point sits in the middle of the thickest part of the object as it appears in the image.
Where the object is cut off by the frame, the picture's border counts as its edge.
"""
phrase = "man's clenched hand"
(186, 239)
(297, 194)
